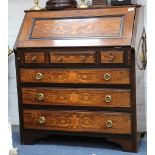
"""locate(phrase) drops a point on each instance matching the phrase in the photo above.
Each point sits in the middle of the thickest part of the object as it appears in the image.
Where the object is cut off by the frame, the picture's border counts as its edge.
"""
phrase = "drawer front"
(100, 76)
(118, 123)
(112, 57)
(34, 58)
(76, 97)
(68, 57)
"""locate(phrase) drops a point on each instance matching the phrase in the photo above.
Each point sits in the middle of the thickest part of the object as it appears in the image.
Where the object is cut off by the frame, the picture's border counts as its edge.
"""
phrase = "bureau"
(77, 75)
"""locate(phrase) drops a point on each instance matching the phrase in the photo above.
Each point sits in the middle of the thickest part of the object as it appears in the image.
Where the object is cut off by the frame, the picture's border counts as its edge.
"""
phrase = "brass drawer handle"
(82, 58)
(42, 120)
(109, 124)
(40, 96)
(39, 76)
(60, 59)
(34, 58)
(107, 76)
(108, 98)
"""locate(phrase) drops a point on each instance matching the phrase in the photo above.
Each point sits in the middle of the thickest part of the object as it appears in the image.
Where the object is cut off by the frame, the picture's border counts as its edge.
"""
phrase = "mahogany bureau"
(76, 74)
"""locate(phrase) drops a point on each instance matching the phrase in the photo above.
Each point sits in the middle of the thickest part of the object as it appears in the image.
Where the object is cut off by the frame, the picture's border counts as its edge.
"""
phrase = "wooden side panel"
(76, 97)
(140, 75)
(116, 76)
(78, 121)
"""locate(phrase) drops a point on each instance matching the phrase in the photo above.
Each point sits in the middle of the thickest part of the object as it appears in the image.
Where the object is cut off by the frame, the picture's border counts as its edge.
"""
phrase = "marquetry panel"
(76, 97)
(77, 27)
(120, 123)
(73, 28)
(115, 76)
(71, 57)
(34, 57)
(112, 57)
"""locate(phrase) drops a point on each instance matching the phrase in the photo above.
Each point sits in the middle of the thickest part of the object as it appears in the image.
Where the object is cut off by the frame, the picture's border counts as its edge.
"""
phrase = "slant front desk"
(76, 74)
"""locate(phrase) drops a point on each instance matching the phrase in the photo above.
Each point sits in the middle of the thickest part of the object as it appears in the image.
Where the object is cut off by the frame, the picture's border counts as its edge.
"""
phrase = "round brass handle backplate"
(109, 124)
(42, 120)
(39, 76)
(40, 96)
(107, 76)
(108, 98)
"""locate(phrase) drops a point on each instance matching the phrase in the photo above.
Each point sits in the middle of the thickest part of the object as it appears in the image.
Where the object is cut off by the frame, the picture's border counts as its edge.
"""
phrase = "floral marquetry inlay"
(118, 76)
(78, 121)
(77, 97)
(68, 28)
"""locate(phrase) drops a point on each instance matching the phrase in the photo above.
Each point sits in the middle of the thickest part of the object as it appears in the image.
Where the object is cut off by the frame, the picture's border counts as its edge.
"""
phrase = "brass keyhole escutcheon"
(34, 58)
(108, 98)
(40, 96)
(109, 124)
(39, 76)
(107, 76)
(42, 120)
(82, 58)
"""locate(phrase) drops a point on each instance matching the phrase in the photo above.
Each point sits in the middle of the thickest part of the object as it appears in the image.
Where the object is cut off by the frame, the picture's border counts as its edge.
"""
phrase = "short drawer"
(87, 76)
(72, 57)
(112, 57)
(34, 58)
(76, 97)
(116, 57)
(82, 121)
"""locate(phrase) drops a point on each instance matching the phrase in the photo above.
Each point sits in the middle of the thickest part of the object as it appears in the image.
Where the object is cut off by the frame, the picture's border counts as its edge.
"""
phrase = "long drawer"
(82, 121)
(92, 76)
(76, 97)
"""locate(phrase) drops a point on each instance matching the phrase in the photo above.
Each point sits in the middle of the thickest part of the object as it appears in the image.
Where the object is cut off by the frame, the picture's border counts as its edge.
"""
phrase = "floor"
(72, 146)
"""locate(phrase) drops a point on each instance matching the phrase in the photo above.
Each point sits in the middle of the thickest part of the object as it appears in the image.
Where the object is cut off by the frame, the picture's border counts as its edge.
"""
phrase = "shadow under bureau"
(76, 74)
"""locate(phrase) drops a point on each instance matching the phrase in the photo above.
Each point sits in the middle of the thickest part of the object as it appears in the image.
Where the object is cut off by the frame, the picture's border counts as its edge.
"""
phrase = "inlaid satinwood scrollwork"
(94, 27)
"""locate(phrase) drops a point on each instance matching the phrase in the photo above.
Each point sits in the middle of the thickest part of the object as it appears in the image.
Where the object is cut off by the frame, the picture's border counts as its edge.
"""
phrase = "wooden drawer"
(92, 76)
(112, 57)
(72, 57)
(118, 123)
(34, 58)
(76, 97)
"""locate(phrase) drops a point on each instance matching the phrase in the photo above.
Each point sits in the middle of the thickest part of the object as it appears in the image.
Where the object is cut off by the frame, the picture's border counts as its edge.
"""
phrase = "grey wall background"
(15, 16)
